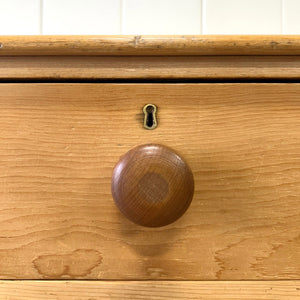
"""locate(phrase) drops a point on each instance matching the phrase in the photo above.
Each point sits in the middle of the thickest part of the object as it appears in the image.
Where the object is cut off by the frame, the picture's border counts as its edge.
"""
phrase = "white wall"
(149, 17)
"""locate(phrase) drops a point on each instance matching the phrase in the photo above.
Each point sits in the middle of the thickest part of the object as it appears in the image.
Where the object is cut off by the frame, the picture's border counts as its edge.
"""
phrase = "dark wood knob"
(152, 185)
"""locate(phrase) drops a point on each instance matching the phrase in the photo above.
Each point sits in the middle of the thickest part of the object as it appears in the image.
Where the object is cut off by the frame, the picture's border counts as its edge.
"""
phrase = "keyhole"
(150, 116)
(149, 110)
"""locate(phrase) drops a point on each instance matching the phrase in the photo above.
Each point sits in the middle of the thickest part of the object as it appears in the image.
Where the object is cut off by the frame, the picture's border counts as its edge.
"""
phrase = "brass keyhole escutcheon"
(150, 121)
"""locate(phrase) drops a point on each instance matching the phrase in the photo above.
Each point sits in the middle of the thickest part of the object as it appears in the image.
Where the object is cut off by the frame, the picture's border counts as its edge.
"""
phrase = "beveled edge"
(94, 45)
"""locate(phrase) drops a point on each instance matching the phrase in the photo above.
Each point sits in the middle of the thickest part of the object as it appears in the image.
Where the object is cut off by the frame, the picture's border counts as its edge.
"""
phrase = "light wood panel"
(184, 67)
(88, 290)
(60, 142)
(151, 45)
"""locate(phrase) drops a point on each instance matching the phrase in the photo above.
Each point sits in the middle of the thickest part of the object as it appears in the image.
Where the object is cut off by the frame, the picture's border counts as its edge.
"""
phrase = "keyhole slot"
(150, 116)
(149, 120)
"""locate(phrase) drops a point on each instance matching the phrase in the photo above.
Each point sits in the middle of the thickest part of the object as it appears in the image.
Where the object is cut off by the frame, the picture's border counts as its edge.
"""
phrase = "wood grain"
(151, 45)
(152, 185)
(156, 290)
(151, 67)
(60, 142)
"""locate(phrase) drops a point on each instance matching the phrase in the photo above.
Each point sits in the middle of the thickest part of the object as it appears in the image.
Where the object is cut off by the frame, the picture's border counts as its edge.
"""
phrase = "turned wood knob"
(152, 185)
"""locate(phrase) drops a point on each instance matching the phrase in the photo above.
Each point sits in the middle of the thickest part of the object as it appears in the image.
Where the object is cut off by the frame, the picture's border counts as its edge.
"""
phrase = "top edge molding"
(201, 45)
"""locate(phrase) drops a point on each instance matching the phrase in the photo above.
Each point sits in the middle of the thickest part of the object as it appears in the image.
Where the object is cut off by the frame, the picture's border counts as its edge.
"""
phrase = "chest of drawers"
(72, 106)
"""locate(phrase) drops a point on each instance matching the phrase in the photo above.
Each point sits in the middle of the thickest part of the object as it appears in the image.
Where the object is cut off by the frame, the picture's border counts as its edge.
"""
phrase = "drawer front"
(60, 143)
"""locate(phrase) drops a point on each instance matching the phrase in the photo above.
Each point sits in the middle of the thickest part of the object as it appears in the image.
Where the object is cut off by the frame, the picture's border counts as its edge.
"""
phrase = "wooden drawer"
(71, 106)
(60, 143)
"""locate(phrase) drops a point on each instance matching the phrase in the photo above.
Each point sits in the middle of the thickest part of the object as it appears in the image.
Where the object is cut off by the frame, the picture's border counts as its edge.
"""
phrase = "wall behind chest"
(32, 17)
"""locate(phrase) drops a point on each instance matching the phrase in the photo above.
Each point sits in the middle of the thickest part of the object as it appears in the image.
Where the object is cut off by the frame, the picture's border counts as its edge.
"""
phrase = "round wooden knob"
(152, 185)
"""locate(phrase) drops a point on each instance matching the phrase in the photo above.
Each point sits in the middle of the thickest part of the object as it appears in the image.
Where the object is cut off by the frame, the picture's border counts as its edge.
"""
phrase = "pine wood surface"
(57, 68)
(150, 45)
(154, 290)
(60, 143)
